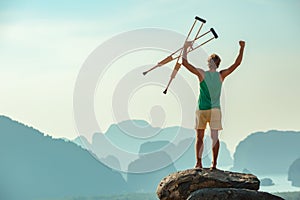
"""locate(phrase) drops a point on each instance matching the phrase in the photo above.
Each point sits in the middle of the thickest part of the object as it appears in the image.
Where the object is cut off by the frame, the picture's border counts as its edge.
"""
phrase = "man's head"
(214, 61)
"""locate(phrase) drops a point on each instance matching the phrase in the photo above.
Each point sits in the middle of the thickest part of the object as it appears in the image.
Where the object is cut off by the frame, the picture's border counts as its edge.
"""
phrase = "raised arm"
(224, 73)
(191, 68)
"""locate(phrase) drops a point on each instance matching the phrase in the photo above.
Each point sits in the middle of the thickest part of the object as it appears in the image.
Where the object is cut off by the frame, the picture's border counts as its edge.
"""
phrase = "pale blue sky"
(44, 43)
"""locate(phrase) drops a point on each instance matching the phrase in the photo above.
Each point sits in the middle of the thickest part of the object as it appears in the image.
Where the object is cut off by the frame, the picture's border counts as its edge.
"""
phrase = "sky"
(43, 45)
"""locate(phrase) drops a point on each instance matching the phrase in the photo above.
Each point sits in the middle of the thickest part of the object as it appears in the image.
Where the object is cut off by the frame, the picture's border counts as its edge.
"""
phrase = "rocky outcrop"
(293, 174)
(231, 194)
(180, 185)
(266, 182)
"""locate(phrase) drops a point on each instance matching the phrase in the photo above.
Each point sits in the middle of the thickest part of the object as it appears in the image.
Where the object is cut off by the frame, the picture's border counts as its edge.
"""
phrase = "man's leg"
(199, 147)
(215, 147)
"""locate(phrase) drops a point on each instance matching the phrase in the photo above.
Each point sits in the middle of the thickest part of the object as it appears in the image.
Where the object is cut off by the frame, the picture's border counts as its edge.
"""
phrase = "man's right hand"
(188, 44)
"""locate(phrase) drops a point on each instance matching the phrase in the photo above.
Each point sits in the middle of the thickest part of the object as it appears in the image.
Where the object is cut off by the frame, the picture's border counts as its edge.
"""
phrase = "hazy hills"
(177, 142)
(153, 152)
(40, 166)
(34, 166)
(269, 152)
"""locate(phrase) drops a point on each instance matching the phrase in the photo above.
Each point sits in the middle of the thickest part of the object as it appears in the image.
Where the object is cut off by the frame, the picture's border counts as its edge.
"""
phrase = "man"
(209, 110)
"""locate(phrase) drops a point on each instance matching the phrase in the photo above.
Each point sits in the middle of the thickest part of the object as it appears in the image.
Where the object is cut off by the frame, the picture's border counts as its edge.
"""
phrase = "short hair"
(214, 61)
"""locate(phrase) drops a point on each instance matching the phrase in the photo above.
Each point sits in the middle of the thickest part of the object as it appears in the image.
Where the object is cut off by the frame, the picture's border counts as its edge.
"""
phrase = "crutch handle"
(200, 19)
(165, 61)
(214, 33)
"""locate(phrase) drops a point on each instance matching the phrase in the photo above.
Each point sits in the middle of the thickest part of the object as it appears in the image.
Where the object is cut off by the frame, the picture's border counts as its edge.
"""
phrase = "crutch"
(170, 57)
(177, 65)
(215, 36)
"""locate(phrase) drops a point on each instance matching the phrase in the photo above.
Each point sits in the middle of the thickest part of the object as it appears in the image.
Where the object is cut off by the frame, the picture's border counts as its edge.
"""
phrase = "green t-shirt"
(210, 91)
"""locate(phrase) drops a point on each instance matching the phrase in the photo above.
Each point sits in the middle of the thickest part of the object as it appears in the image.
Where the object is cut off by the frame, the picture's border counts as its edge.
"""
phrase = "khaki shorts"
(212, 116)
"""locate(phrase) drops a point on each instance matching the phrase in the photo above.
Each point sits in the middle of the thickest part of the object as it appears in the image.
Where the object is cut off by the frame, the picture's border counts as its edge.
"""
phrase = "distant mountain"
(123, 141)
(294, 173)
(269, 152)
(82, 142)
(148, 153)
(131, 138)
(129, 135)
(148, 180)
(35, 166)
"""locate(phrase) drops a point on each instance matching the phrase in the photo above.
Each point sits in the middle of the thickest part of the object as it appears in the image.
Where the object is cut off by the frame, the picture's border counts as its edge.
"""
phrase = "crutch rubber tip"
(200, 19)
(214, 33)
(144, 73)
(165, 92)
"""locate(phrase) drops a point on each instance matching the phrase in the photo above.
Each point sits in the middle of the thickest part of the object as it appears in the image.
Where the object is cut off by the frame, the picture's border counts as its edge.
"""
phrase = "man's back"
(210, 91)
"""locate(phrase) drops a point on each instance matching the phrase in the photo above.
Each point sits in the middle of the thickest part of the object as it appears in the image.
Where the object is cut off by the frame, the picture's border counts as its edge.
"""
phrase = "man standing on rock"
(209, 110)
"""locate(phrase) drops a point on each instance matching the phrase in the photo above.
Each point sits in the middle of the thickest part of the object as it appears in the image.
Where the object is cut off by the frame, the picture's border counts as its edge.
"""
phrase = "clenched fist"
(242, 43)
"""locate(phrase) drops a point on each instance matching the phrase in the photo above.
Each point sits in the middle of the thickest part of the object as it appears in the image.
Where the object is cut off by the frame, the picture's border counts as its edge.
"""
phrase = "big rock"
(180, 185)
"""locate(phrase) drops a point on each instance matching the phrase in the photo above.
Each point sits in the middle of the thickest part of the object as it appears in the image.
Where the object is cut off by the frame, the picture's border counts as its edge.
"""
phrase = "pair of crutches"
(173, 56)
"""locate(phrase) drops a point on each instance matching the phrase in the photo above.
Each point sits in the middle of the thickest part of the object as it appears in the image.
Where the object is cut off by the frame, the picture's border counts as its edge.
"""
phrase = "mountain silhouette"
(269, 152)
(129, 135)
(294, 173)
(123, 141)
(145, 154)
(37, 166)
(147, 181)
(129, 138)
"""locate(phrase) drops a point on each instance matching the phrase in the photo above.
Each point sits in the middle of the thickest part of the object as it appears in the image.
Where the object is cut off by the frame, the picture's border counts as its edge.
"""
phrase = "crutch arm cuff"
(214, 33)
(200, 19)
